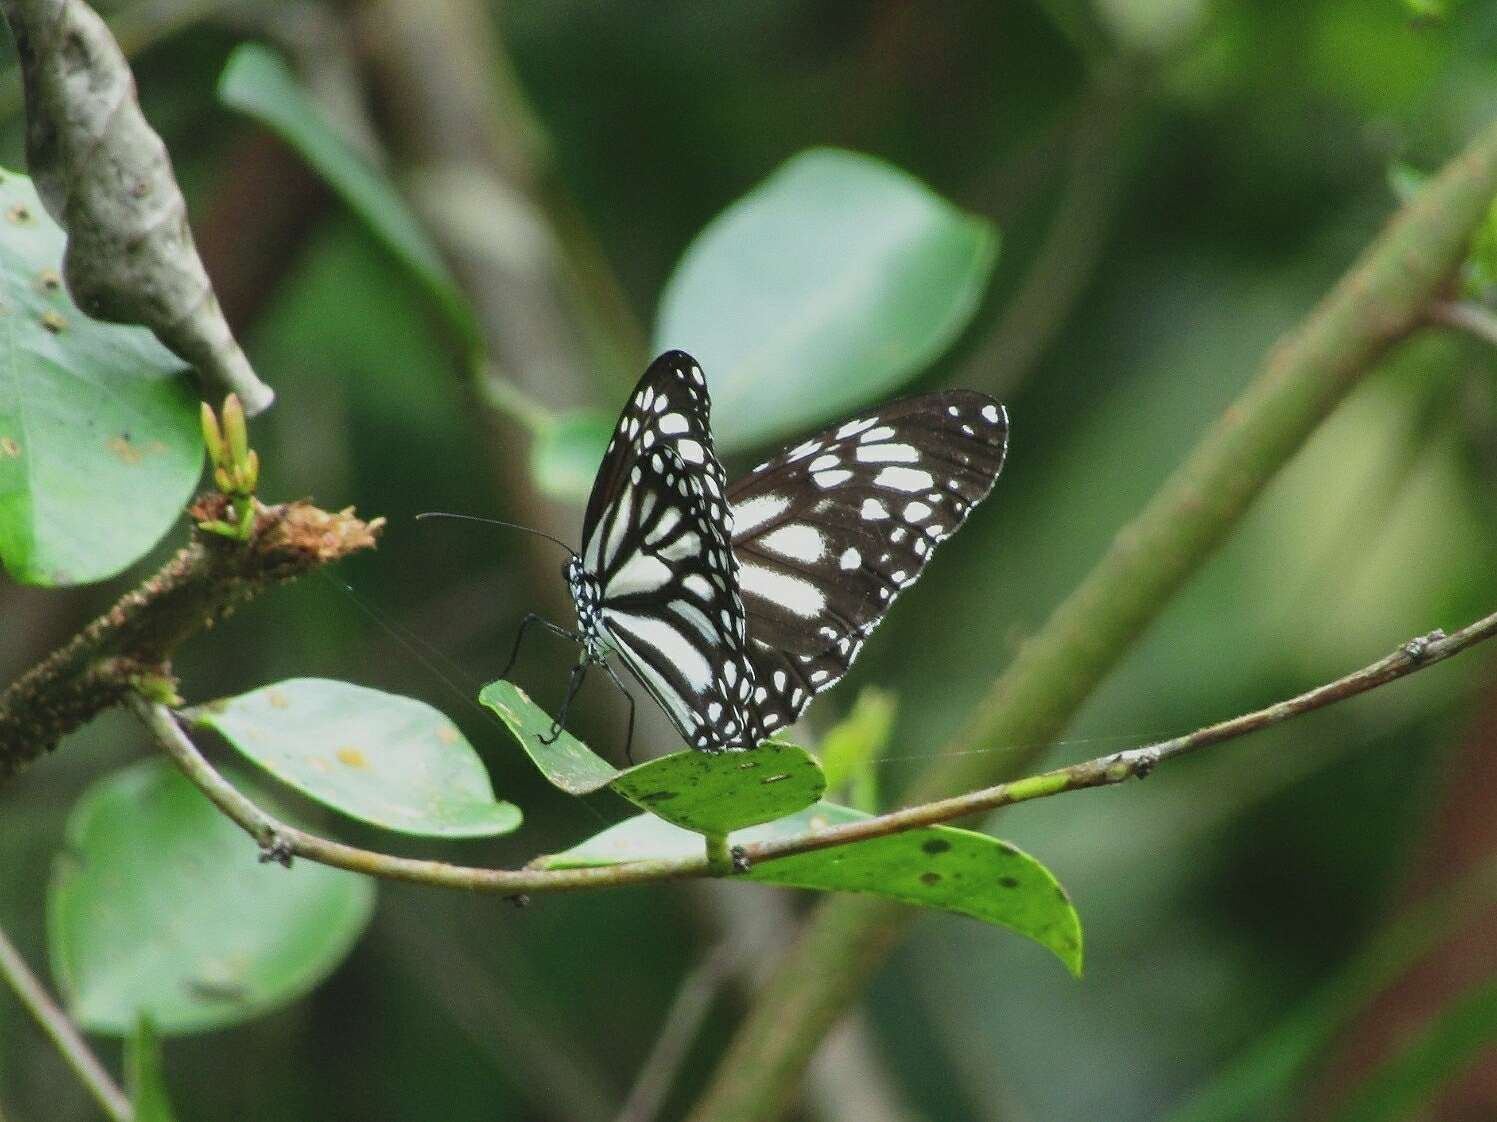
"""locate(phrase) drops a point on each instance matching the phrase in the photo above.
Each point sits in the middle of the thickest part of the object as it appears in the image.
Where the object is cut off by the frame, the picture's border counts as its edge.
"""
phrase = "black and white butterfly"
(735, 605)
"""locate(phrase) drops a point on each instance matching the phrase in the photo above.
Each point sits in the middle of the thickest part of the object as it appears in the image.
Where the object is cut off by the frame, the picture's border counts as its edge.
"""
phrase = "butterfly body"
(734, 606)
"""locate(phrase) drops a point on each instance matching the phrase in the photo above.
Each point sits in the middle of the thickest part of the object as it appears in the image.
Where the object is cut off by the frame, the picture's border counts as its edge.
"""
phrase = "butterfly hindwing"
(828, 533)
(657, 542)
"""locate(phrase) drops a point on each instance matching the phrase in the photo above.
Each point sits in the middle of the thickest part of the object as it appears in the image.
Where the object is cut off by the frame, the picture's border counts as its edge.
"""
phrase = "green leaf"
(159, 907)
(564, 457)
(566, 762)
(387, 760)
(935, 867)
(144, 1079)
(1442, 1049)
(646, 837)
(851, 746)
(830, 284)
(258, 82)
(709, 794)
(715, 794)
(99, 440)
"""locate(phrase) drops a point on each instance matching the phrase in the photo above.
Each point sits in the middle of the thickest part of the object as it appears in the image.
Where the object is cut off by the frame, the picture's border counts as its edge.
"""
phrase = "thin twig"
(508, 398)
(282, 842)
(63, 1033)
(683, 1020)
(1471, 318)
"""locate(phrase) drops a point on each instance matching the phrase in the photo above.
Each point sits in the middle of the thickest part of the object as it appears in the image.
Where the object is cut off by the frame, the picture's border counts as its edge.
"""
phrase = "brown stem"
(283, 842)
(63, 1033)
(135, 639)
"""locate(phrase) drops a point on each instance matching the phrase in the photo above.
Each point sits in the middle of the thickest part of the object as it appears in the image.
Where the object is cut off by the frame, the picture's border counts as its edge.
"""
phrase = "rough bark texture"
(135, 639)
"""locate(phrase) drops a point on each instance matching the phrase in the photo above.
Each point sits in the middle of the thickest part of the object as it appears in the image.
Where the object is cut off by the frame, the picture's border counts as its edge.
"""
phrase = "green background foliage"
(1175, 184)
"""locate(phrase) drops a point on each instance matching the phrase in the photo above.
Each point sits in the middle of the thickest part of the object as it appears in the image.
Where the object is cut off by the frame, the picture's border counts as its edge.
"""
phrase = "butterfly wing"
(828, 533)
(656, 539)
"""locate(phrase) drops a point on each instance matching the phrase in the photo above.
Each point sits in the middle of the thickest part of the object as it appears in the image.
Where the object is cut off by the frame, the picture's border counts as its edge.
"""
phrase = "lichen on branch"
(130, 646)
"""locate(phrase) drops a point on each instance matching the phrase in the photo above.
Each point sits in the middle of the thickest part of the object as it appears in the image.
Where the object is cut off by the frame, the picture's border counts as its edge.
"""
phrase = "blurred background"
(1176, 183)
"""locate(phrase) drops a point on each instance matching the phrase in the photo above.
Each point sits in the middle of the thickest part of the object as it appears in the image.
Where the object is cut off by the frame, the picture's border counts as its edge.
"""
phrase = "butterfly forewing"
(829, 532)
(657, 542)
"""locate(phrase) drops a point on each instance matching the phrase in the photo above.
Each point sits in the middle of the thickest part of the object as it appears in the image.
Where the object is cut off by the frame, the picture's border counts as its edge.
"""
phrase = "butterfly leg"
(531, 617)
(574, 683)
(613, 676)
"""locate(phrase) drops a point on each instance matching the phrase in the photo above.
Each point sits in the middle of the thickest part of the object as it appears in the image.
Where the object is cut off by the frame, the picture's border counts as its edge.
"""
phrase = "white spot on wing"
(620, 522)
(904, 479)
(795, 595)
(641, 573)
(832, 478)
(797, 541)
(667, 521)
(852, 428)
(850, 560)
(687, 545)
(672, 645)
(691, 451)
(753, 513)
(887, 454)
(990, 414)
(673, 424)
(697, 618)
(801, 451)
(873, 510)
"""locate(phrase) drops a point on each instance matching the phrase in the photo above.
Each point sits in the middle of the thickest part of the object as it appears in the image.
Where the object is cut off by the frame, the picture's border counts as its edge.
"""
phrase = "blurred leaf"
(1408, 1083)
(851, 746)
(715, 794)
(1428, 10)
(1264, 1074)
(1480, 273)
(564, 457)
(159, 907)
(1151, 27)
(258, 82)
(99, 439)
(387, 760)
(566, 762)
(144, 1079)
(1406, 181)
(833, 282)
(936, 867)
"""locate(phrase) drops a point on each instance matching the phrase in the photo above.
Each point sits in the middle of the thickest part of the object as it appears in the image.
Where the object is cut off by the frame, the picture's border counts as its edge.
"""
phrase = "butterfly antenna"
(496, 522)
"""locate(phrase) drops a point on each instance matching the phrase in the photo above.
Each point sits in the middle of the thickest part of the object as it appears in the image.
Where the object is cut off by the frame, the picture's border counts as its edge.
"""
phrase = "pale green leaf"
(159, 907)
(827, 286)
(387, 760)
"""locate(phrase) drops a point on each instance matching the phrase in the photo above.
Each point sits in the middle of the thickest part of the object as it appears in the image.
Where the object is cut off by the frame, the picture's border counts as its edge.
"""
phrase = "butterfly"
(735, 605)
